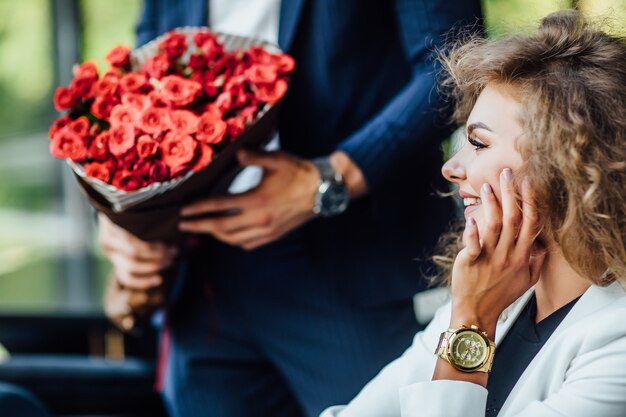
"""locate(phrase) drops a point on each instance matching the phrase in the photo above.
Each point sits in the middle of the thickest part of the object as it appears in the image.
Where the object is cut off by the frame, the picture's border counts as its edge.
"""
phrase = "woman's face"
(492, 129)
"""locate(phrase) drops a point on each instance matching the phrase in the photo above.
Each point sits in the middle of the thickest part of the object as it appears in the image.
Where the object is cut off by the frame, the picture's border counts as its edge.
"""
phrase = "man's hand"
(283, 200)
(136, 264)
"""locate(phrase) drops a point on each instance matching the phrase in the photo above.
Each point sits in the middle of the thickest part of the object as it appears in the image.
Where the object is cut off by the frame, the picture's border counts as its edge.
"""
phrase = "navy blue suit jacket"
(365, 84)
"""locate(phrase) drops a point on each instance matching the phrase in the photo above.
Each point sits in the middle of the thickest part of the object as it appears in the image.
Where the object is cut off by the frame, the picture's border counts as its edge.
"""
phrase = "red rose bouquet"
(162, 125)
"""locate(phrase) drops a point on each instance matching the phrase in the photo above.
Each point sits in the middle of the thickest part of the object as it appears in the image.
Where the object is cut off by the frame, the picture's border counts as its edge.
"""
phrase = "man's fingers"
(511, 214)
(215, 204)
(138, 283)
(267, 160)
(227, 225)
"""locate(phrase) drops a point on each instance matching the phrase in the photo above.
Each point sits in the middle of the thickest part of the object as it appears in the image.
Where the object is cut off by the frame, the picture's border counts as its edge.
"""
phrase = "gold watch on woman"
(467, 349)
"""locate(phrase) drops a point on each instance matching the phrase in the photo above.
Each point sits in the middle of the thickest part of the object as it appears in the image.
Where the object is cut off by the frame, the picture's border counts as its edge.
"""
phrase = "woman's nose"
(453, 170)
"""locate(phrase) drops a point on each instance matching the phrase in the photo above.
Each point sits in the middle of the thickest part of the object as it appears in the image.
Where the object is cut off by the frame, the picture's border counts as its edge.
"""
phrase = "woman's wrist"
(467, 318)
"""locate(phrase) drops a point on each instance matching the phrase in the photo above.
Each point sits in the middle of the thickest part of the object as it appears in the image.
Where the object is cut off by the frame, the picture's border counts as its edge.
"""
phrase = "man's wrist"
(350, 172)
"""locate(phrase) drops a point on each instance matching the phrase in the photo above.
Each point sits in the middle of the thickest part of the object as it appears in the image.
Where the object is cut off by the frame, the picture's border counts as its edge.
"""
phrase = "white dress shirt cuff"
(443, 398)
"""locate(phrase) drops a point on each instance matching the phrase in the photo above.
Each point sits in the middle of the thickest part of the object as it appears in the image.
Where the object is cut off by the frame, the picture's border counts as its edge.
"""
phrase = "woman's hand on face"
(137, 264)
(497, 264)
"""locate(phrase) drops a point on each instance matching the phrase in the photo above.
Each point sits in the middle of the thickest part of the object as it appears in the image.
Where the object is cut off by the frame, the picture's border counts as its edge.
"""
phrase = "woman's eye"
(476, 144)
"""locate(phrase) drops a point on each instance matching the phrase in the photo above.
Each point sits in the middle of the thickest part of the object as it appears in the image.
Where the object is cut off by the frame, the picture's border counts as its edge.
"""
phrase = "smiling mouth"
(471, 201)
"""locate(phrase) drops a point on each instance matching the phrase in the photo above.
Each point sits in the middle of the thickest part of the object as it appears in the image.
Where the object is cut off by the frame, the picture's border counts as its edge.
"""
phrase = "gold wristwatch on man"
(467, 349)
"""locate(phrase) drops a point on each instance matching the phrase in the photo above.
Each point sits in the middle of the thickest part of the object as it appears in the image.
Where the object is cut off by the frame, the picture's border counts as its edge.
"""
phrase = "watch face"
(468, 350)
(335, 199)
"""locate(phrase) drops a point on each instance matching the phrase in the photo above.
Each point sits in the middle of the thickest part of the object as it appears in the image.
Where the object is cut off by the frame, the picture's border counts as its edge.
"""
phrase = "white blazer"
(579, 372)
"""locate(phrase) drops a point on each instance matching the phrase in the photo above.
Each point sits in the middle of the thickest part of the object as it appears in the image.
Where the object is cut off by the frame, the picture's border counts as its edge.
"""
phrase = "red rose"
(249, 113)
(286, 64)
(126, 180)
(86, 70)
(271, 93)
(200, 38)
(174, 45)
(67, 144)
(197, 62)
(102, 106)
(157, 100)
(83, 87)
(121, 114)
(98, 170)
(58, 124)
(133, 83)
(224, 101)
(80, 126)
(210, 129)
(119, 56)
(65, 98)
(158, 172)
(213, 110)
(107, 85)
(261, 74)
(122, 139)
(205, 155)
(259, 55)
(142, 168)
(99, 148)
(135, 101)
(153, 120)
(157, 66)
(129, 158)
(177, 151)
(235, 126)
(184, 121)
(178, 90)
(146, 146)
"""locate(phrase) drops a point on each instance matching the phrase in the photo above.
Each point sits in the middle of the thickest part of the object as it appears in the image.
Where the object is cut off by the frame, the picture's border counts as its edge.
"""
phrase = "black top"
(517, 349)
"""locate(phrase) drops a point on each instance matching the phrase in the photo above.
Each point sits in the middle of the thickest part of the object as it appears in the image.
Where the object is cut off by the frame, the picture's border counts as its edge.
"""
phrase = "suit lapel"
(290, 12)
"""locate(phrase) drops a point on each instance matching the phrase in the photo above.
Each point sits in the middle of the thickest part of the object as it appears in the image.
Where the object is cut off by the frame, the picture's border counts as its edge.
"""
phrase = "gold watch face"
(468, 350)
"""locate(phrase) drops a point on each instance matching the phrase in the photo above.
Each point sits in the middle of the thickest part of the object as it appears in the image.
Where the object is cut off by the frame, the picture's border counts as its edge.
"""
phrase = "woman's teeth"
(470, 201)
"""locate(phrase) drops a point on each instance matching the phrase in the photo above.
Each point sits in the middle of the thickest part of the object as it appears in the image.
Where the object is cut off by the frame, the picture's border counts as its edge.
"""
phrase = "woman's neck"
(559, 284)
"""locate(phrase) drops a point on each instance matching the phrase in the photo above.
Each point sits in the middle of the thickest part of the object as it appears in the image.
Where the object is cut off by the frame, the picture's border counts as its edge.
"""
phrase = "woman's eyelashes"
(478, 145)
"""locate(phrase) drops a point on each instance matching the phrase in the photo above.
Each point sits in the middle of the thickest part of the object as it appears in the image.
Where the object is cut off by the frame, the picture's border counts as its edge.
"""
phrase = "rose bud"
(80, 126)
(158, 172)
(174, 45)
(235, 126)
(119, 56)
(261, 74)
(107, 85)
(178, 90)
(58, 124)
(156, 67)
(65, 98)
(86, 70)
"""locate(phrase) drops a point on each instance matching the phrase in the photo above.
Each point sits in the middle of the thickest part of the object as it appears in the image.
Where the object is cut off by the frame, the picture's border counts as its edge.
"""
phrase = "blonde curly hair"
(571, 81)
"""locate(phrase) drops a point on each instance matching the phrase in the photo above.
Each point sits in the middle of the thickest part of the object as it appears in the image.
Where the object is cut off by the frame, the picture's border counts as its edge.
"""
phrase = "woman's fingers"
(471, 239)
(492, 227)
(511, 214)
(528, 230)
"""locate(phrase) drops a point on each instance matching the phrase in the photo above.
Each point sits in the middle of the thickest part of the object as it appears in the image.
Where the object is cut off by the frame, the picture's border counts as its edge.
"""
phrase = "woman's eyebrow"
(477, 125)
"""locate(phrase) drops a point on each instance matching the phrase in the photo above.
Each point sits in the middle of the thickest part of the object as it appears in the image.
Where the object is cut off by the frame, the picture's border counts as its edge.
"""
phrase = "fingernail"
(507, 174)
(487, 188)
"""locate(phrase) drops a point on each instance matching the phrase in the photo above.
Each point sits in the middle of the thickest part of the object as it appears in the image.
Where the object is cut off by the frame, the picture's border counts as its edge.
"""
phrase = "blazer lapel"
(290, 12)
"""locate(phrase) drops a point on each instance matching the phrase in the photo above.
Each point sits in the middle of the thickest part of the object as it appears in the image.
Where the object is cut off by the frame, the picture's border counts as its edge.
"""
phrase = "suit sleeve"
(147, 26)
(413, 116)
